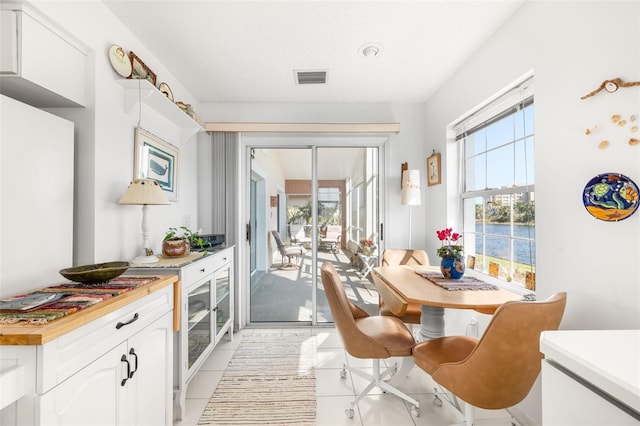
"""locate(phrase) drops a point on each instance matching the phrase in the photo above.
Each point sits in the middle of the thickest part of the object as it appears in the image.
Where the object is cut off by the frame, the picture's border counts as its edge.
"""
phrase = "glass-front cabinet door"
(223, 298)
(199, 321)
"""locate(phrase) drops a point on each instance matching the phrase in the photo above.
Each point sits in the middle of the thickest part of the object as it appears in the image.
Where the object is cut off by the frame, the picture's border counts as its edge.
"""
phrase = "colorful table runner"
(76, 297)
(464, 283)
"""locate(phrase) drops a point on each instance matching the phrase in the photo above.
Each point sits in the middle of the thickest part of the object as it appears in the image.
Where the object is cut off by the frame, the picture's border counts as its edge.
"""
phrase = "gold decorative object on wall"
(611, 86)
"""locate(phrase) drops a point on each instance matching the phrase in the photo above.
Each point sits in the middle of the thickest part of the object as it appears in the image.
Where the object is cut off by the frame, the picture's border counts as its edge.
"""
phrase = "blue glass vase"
(452, 267)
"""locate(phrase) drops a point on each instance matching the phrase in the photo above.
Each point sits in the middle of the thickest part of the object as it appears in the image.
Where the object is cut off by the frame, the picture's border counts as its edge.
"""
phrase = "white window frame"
(508, 98)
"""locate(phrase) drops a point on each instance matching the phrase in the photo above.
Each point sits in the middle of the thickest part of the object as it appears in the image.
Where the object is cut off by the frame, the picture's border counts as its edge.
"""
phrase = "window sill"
(500, 283)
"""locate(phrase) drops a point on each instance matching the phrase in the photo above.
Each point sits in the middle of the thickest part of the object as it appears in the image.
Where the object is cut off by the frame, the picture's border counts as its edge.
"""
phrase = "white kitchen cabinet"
(114, 370)
(590, 377)
(40, 63)
(567, 401)
(122, 387)
(72, 402)
(206, 313)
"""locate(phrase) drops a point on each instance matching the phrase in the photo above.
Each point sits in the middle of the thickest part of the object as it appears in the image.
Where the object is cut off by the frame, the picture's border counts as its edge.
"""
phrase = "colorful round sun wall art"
(611, 197)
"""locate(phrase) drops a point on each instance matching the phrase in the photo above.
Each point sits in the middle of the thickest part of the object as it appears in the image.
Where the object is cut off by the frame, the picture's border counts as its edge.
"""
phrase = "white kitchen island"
(590, 377)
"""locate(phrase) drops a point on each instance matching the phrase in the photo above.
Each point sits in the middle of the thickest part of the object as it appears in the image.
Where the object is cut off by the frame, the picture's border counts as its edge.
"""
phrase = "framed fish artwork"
(611, 197)
(156, 159)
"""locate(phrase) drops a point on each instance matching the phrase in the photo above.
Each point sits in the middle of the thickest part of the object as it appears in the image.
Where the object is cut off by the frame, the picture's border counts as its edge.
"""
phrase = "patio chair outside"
(288, 251)
(331, 239)
(298, 235)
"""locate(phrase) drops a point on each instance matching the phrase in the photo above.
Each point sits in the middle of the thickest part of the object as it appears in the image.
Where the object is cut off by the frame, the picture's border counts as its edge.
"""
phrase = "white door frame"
(250, 141)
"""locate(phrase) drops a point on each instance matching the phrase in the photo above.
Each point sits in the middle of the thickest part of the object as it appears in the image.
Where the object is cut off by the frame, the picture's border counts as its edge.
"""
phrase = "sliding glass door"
(316, 205)
(347, 199)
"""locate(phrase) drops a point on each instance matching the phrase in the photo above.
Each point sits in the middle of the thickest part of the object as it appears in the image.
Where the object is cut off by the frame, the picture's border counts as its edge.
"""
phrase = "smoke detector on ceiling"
(310, 76)
(370, 50)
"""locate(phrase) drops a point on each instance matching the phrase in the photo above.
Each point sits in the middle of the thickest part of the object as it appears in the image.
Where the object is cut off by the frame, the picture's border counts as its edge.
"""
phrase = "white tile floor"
(334, 394)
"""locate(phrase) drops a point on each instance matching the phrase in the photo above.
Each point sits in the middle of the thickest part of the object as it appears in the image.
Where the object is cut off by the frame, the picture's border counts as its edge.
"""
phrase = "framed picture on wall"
(156, 159)
(433, 169)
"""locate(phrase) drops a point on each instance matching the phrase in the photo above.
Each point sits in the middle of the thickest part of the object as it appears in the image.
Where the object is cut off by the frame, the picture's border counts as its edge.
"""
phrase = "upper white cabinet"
(138, 90)
(40, 63)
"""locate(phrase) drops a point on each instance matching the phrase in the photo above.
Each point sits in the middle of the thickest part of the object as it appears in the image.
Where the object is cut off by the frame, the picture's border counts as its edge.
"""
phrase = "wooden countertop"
(172, 262)
(22, 334)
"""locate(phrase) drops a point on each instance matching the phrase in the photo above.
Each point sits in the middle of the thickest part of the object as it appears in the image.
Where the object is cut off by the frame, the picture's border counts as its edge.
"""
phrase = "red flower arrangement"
(449, 247)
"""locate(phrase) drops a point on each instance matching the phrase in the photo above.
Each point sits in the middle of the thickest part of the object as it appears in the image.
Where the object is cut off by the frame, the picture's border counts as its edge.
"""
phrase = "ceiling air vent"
(311, 77)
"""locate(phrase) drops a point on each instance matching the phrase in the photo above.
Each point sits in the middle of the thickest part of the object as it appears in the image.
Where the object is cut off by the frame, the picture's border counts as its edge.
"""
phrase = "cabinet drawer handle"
(119, 325)
(124, 359)
(135, 366)
(202, 270)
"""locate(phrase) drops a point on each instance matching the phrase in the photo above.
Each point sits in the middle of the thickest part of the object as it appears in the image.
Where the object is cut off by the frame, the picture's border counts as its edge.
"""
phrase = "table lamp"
(410, 195)
(144, 192)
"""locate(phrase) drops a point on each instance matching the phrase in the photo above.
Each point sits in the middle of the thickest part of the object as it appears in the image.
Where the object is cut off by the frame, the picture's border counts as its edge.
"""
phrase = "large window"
(498, 193)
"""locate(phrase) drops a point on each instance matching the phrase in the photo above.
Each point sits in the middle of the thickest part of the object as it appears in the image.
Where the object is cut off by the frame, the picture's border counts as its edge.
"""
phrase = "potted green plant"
(178, 241)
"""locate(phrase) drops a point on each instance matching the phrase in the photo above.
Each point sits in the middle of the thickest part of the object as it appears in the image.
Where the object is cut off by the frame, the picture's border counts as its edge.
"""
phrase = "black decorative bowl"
(96, 273)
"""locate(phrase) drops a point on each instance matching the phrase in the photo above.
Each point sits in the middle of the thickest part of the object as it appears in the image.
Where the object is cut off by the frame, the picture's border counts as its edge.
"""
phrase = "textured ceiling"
(247, 51)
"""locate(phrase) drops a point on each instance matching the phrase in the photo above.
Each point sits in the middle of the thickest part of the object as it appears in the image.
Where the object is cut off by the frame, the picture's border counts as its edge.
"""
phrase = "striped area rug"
(269, 381)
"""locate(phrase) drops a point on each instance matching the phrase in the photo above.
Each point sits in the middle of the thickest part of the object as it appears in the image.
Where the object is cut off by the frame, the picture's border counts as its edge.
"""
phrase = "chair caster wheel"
(437, 401)
(415, 412)
(349, 412)
(343, 374)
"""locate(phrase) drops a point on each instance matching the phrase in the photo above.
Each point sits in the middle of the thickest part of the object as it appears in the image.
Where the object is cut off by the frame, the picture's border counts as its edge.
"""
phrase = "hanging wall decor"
(120, 62)
(141, 70)
(158, 160)
(611, 197)
(615, 128)
(611, 86)
(434, 173)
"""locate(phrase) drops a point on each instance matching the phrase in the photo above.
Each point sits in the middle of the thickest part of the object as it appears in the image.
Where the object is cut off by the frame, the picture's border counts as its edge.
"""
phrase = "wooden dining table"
(399, 285)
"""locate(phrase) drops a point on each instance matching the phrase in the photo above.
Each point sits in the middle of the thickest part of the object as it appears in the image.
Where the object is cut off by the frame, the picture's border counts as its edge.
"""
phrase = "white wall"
(573, 249)
(572, 48)
(104, 142)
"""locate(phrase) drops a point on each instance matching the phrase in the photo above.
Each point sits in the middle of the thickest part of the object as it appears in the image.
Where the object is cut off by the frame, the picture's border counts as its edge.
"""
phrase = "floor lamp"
(410, 192)
(144, 192)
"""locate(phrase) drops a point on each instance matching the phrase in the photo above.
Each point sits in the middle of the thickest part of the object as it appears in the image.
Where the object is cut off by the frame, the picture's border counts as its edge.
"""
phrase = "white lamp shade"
(144, 192)
(410, 188)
